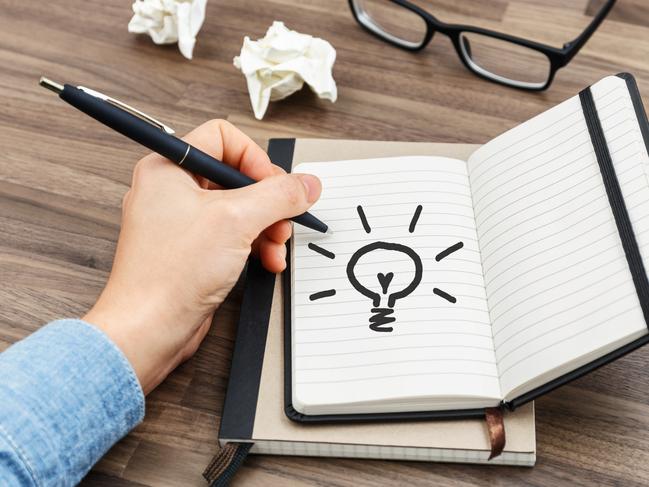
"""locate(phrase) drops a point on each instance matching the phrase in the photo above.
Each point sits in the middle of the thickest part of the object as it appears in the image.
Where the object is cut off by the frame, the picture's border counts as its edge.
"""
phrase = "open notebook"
(259, 389)
(452, 285)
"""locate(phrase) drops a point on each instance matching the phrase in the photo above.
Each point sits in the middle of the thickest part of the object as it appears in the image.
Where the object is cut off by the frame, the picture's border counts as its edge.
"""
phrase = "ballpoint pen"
(158, 137)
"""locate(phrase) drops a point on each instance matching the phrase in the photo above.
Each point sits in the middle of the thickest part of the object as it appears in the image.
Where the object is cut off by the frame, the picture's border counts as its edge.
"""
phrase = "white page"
(558, 284)
(436, 348)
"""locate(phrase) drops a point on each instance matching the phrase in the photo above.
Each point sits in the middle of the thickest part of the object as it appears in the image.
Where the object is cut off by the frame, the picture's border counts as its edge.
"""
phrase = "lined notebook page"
(558, 284)
(436, 348)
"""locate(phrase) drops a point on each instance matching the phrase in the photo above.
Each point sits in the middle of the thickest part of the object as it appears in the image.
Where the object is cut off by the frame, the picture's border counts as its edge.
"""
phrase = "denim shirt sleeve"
(67, 394)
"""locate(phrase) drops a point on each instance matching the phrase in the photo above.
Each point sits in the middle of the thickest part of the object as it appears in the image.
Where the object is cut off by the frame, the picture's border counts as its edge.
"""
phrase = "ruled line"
(379, 377)
(391, 362)
(428, 201)
(386, 215)
(403, 309)
(391, 337)
(391, 173)
(427, 225)
(344, 278)
(422, 248)
(401, 323)
(391, 184)
(603, 322)
(501, 343)
(544, 263)
(578, 111)
(417, 236)
(387, 261)
(316, 279)
(459, 283)
(391, 349)
(555, 284)
(599, 198)
(589, 154)
(502, 182)
(506, 257)
(597, 185)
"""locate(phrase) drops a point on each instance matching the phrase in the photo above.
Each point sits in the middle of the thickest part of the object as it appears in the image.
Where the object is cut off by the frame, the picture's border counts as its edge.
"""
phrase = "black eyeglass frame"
(558, 57)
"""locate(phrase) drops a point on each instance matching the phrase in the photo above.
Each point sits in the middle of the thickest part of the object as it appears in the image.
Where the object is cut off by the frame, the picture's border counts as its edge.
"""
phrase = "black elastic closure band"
(616, 200)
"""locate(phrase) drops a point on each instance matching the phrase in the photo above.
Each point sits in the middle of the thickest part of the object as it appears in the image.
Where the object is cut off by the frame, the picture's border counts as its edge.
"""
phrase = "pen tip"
(50, 85)
(329, 231)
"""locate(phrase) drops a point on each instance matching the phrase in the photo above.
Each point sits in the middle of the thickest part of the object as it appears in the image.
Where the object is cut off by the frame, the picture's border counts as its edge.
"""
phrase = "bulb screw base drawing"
(380, 318)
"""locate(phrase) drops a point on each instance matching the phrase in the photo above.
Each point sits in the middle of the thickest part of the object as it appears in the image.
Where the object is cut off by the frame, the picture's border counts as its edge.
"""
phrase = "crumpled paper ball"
(169, 21)
(279, 64)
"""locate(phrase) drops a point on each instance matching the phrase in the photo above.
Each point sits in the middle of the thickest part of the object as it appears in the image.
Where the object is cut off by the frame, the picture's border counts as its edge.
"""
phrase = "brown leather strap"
(496, 428)
(226, 463)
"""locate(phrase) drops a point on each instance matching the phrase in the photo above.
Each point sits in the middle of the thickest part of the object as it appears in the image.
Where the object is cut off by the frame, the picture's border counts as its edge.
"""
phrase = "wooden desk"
(62, 178)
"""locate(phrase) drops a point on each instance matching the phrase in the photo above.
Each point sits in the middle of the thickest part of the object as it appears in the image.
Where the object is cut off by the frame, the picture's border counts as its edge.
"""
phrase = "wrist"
(136, 331)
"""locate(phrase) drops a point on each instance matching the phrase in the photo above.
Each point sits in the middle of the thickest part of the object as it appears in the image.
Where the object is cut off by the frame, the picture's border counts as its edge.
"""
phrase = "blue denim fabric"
(67, 394)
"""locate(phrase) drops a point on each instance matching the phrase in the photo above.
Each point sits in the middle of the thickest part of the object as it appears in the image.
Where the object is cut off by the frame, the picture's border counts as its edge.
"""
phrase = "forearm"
(67, 394)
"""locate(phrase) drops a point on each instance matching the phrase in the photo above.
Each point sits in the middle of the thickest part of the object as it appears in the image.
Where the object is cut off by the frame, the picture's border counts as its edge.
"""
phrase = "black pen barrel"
(179, 151)
(198, 162)
(310, 221)
(125, 123)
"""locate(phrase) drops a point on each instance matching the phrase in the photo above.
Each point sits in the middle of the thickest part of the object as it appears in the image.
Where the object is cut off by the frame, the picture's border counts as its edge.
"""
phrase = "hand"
(183, 244)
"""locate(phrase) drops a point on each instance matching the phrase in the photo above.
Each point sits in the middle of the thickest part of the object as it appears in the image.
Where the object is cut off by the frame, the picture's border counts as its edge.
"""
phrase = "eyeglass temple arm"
(572, 48)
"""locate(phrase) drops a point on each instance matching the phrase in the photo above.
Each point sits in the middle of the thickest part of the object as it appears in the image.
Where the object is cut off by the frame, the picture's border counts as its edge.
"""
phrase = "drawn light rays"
(415, 219)
(445, 253)
(321, 251)
(368, 229)
(329, 255)
(361, 215)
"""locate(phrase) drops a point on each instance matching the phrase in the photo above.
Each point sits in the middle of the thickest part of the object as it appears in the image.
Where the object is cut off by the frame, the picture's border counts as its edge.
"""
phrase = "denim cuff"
(67, 394)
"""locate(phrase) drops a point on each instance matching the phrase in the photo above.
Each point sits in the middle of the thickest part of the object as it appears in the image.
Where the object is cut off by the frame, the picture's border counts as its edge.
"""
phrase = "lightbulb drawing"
(381, 315)
(385, 290)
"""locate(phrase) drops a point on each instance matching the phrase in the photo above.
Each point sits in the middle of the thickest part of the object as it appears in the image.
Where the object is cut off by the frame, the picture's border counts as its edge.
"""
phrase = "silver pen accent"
(58, 88)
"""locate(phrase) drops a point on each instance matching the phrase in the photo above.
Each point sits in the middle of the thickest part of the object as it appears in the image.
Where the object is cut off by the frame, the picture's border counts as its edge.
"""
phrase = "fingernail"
(290, 227)
(312, 185)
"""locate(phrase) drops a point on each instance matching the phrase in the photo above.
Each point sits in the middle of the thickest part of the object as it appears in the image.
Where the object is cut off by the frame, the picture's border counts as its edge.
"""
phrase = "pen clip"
(129, 109)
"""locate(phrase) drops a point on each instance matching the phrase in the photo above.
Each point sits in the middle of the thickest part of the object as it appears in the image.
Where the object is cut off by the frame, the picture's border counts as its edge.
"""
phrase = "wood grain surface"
(62, 177)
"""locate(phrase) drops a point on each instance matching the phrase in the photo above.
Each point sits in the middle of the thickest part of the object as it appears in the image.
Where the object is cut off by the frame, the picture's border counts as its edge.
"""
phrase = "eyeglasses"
(494, 56)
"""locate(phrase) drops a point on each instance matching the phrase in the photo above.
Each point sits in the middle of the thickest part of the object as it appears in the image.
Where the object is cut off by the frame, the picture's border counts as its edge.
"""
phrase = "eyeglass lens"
(489, 56)
(505, 61)
(392, 21)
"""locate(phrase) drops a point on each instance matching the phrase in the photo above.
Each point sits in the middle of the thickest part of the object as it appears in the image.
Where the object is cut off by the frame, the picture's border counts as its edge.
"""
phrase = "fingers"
(270, 246)
(272, 254)
(279, 232)
(276, 198)
(222, 140)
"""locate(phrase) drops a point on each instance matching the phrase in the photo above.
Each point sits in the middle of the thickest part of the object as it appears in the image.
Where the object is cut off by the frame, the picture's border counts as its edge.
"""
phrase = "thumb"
(273, 199)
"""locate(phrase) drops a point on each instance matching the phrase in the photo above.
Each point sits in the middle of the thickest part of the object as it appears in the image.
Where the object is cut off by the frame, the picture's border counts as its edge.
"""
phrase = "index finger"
(222, 140)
